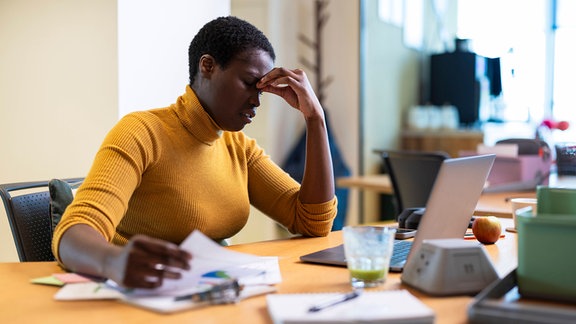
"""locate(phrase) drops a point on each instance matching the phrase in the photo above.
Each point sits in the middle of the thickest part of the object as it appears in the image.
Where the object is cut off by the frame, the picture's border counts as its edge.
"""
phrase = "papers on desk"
(211, 264)
(396, 306)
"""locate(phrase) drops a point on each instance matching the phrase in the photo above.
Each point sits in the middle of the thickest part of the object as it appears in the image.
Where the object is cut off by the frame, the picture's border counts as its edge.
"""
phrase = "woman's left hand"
(294, 87)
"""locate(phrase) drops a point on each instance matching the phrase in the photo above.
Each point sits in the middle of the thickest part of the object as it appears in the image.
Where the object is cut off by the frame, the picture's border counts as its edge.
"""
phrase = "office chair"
(27, 206)
(412, 174)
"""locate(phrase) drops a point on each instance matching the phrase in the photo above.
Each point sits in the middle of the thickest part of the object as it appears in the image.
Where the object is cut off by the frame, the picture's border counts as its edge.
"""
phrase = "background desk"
(496, 203)
(22, 302)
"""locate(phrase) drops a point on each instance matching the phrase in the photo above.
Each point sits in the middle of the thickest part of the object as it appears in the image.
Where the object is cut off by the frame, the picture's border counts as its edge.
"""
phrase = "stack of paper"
(210, 265)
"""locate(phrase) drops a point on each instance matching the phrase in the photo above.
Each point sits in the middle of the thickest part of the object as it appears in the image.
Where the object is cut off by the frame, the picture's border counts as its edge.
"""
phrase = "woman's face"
(230, 95)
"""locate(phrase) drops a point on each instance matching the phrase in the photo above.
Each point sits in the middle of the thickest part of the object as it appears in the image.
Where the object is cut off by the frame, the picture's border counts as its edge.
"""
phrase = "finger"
(165, 253)
(276, 90)
(167, 271)
(172, 274)
(276, 77)
(145, 269)
(285, 93)
(165, 267)
(143, 278)
(148, 282)
(161, 272)
(282, 86)
(281, 82)
(265, 80)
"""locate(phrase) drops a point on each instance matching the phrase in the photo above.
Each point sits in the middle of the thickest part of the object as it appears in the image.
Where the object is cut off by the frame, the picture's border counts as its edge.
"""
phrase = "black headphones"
(410, 217)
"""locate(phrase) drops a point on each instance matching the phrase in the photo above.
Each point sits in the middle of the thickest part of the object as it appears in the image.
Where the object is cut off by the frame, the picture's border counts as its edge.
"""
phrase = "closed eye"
(250, 84)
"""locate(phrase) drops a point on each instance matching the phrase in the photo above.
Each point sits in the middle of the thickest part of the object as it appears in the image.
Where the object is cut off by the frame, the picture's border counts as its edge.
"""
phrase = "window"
(533, 41)
(563, 99)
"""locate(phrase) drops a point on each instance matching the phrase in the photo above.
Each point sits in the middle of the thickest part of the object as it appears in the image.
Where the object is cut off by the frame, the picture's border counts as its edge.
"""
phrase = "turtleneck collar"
(195, 119)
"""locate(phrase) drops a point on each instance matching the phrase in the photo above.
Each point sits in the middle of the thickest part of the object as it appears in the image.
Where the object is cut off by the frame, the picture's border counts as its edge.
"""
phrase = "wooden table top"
(21, 301)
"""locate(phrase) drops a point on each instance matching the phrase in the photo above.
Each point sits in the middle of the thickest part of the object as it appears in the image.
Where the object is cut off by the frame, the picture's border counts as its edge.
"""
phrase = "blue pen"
(330, 303)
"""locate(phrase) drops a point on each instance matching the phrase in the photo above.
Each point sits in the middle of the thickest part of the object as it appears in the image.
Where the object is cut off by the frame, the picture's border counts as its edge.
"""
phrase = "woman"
(162, 173)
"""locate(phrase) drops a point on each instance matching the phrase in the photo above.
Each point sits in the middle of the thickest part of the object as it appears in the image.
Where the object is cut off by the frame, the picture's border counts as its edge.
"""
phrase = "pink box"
(521, 169)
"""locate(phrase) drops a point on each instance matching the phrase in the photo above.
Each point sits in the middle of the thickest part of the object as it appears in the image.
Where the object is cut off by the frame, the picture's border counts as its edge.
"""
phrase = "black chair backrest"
(412, 174)
(29, 218)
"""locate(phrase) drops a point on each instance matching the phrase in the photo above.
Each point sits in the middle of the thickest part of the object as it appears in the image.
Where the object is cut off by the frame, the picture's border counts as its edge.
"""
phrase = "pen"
(333, 302)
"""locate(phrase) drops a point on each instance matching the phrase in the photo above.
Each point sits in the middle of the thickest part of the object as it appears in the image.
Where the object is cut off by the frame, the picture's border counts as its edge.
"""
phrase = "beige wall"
(342, 61)
(390, 80)
(390, 76)
(58, 90)
(58, 85)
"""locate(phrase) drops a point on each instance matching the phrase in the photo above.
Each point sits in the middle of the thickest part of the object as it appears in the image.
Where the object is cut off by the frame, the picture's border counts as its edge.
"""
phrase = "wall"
(392, 79)
(58, 90)
(390, 74)
(59, 85)
(342, 62)
(153, 41)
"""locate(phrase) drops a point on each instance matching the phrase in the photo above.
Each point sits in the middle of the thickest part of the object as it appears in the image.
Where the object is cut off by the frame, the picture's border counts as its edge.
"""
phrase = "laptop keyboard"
(400, 253)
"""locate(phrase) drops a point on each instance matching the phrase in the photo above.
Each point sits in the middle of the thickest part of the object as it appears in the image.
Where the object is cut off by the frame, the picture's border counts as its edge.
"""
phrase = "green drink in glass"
(368, 250)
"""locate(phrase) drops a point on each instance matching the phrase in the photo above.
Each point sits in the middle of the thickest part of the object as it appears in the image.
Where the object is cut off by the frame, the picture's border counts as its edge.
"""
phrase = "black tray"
(500, 302)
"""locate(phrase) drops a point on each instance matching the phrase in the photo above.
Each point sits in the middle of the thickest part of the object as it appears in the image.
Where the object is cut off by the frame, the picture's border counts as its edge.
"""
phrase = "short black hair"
(223, 38)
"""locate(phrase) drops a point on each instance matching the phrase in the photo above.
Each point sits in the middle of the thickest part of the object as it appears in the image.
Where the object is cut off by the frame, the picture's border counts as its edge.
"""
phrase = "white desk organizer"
(449, 267)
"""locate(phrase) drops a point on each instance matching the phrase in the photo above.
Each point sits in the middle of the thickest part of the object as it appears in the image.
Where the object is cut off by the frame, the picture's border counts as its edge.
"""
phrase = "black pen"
(343, 298)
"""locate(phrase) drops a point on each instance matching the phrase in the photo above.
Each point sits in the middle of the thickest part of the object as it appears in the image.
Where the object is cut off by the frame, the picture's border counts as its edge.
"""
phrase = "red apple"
(487, 229)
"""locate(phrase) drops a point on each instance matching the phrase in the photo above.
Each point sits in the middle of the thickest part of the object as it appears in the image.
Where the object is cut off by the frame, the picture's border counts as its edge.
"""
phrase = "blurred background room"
(389, 73)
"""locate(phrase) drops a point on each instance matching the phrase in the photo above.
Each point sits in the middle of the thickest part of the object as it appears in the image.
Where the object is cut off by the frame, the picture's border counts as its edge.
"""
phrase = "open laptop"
(451, 204)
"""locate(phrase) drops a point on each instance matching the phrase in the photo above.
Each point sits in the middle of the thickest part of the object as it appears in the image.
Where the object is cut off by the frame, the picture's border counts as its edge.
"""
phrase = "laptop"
(451, 204)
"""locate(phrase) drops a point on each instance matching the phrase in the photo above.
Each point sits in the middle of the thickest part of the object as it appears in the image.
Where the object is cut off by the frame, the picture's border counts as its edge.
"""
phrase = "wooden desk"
(498, 203)
(22, 302)
(379, 183)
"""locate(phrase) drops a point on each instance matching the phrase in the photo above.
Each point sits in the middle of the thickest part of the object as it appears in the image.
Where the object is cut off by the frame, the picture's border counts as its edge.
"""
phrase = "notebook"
(451, 204)
(391, 306)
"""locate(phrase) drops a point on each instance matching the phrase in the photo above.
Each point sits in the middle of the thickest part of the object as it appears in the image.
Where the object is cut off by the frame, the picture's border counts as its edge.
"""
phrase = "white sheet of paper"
(87, 291)
(210, 261)
(210, 257)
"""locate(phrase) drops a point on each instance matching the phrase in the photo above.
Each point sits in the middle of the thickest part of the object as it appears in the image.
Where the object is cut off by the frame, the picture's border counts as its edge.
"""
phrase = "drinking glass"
(368, 251)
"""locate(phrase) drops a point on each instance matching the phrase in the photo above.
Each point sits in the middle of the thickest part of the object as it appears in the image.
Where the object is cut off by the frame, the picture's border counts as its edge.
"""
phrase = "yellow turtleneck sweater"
(168, 171)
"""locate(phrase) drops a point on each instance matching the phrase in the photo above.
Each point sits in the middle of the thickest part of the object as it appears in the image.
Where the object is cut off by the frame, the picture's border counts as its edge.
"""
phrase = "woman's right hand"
(145, 262)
